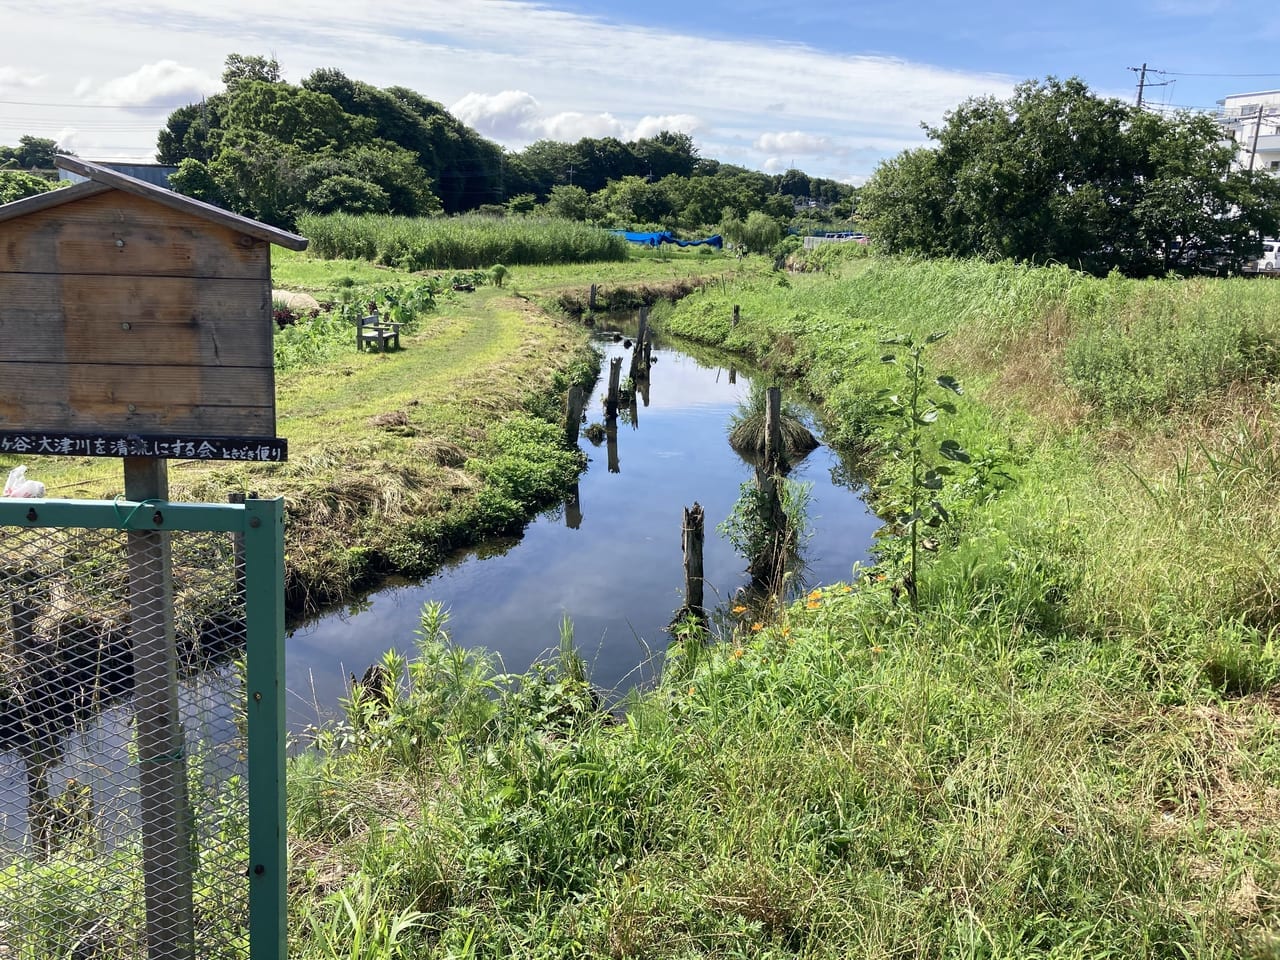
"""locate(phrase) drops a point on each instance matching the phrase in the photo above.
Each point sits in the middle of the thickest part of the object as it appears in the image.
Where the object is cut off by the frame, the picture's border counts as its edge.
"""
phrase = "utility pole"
(1257, 127)
(1142, 72)
(1142, 81)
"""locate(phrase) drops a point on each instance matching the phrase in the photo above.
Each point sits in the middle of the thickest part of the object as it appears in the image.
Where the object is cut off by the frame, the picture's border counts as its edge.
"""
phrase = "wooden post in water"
(735, 314)
(733, 374)
(615, 379)
(692, 536)
(774, 457)
(573, 414)
(162, 767)
(591, 300)
(640, 369)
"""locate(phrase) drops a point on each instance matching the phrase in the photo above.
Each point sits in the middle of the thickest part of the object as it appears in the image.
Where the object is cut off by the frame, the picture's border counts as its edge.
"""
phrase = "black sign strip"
(161, 446)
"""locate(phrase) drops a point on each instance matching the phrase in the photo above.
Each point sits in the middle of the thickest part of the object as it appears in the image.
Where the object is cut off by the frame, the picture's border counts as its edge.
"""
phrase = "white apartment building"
(1252, 120)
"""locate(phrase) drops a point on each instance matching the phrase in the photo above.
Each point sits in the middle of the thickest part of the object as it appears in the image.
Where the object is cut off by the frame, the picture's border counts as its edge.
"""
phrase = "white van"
(1269, 262)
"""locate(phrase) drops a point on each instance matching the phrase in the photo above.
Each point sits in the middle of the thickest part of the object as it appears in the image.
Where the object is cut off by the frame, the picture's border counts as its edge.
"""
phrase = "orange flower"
(786, 631)
(815, 594)
(737, 653)
(757, 627)
(877, 649)
(846, 589)
(813, 605)
(739, 609)
(691, 690)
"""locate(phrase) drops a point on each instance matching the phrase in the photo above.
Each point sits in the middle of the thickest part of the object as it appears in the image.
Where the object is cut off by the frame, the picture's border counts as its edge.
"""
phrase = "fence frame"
(261, 524)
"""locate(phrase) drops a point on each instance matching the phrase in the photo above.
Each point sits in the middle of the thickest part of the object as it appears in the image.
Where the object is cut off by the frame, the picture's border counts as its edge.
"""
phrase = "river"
(610, 560)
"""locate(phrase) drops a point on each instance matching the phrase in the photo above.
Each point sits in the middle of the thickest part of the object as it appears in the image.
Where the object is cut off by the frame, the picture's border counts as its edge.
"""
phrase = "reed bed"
(457, 243)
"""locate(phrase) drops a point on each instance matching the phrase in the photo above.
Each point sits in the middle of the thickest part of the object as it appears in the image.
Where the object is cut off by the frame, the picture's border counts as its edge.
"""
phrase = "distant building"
(1252, 120)
(156, 174)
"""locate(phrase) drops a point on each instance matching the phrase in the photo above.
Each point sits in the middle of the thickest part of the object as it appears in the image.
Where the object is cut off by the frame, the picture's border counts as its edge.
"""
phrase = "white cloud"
(675, 123)
(571, 126)
(11, 78)
(515, 118)
(793, 142)
(506, 116)
(165, 83)
(561, 73)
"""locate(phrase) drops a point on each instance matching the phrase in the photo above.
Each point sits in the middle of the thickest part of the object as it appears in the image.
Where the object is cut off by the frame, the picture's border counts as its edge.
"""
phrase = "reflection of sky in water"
(619, 577)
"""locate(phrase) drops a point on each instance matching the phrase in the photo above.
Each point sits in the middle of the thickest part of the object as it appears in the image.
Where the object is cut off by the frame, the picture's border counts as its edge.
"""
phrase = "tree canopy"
(270, 149)
(1058, 174)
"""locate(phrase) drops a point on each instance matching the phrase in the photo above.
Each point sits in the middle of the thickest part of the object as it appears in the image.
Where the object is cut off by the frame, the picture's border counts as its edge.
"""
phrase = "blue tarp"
(656, 239)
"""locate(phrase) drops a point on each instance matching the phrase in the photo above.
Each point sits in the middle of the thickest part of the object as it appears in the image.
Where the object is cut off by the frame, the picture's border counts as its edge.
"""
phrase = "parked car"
(1269, 262)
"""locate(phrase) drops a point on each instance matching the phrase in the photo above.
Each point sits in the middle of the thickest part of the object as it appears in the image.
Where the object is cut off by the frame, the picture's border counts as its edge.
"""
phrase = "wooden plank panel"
(120, 234)
(87, 397)
(136, 320)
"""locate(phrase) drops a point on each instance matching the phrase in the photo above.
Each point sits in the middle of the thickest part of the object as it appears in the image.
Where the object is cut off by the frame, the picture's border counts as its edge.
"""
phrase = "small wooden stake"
(735, 314)
(615, 378)
(639, 368)
(162, 765)
(773, 453)
(591, 300)
(693, 536)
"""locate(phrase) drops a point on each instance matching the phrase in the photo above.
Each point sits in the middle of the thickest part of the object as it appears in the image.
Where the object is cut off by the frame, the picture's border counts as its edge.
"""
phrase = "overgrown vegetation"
(458, 243)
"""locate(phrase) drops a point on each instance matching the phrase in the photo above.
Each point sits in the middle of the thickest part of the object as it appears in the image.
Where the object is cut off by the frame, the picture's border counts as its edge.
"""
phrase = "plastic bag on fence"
(19, 486)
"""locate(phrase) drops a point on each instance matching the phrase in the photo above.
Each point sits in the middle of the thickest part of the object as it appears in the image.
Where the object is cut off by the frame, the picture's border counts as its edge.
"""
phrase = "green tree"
(15, 185)
(1057, 174)
(238, 68)
(569, 202)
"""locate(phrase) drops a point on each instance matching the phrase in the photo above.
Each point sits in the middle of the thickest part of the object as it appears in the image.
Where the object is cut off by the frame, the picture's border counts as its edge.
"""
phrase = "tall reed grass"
(418, 243)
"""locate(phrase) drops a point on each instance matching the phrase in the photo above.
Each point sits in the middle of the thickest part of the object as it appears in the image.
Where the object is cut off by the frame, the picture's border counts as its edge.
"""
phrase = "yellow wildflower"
(691, 690)
(815, 594)
(813, 605)
(757, 627)
(739, 609)
(786, 631)
(877, 649)
(737, 653)
(846, 589)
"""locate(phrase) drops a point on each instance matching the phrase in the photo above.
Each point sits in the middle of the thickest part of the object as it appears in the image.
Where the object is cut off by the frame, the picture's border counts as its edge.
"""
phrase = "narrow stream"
(611, 561)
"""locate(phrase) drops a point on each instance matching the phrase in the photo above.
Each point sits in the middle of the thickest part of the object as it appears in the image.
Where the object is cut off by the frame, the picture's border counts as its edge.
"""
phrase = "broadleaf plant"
(916, 407)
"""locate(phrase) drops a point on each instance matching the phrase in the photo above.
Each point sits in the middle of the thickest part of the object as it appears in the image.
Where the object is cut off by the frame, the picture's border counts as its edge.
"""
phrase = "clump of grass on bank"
(420, 243)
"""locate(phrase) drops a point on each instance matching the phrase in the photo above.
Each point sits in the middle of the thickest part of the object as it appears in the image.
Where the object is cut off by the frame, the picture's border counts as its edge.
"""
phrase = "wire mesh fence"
(124, 804)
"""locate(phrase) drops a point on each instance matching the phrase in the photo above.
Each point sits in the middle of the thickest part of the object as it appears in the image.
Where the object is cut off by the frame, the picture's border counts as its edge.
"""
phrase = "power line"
(86, 106)
(1230, 76)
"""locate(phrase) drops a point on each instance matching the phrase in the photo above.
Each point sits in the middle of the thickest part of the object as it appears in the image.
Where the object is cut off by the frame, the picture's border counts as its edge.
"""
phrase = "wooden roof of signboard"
(100, 179)
(135, 319)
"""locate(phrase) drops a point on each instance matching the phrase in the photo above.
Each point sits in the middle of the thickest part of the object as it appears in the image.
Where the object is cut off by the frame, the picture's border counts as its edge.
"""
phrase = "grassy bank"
(1068, 751)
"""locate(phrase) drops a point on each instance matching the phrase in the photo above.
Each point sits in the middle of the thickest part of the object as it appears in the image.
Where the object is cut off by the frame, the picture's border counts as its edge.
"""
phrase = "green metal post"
(264, 675)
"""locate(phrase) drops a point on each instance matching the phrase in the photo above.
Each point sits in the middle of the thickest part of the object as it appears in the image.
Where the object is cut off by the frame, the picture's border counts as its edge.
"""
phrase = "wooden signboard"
(135, 322)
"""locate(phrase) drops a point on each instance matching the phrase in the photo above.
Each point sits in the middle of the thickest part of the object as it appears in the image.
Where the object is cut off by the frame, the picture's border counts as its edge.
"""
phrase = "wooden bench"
(371, 330)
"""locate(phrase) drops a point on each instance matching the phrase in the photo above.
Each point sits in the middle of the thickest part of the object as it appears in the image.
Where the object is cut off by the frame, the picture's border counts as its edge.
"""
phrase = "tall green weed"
(459, 242)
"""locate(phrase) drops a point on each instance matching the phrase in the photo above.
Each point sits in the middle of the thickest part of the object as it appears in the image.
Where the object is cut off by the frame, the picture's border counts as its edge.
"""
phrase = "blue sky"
(830, 87)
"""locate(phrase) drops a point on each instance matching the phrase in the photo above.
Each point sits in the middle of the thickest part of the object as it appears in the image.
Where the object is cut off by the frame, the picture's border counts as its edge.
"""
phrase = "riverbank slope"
(1066, 750)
